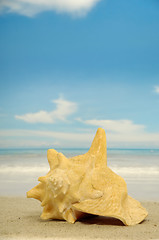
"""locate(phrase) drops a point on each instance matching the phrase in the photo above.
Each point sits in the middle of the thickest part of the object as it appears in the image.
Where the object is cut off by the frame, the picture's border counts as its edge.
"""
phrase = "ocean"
(20, 169)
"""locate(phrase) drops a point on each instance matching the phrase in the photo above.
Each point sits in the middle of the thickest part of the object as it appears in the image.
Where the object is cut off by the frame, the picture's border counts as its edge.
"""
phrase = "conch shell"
(84, 185)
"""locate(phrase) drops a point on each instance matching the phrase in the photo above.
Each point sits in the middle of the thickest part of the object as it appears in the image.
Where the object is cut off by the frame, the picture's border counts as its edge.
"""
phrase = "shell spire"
(98, 147)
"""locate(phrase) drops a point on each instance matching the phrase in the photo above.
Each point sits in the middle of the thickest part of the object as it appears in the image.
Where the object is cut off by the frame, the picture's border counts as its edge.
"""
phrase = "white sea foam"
(42, 169)
(23, 169)
(136, 171)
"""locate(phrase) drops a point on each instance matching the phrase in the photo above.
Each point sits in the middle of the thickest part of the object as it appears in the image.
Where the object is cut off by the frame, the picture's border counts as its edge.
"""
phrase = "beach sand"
(20, 219)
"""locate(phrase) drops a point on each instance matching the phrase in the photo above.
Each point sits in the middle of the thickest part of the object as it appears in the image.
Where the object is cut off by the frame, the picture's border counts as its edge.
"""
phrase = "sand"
(20, 219)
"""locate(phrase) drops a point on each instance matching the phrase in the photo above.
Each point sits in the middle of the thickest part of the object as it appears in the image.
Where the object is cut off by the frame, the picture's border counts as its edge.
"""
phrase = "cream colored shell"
(85, 185)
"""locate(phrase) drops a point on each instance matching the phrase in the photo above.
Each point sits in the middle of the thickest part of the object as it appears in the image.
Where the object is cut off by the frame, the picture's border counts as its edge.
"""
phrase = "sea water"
(20, 169)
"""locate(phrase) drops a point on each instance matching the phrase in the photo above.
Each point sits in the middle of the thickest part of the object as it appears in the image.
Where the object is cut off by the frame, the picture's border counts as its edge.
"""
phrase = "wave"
(43, 169)
(137, 171)
(23, 169)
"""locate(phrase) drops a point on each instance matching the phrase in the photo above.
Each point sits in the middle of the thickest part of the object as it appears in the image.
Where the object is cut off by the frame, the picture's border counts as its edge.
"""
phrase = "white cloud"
(125, 133)
(50, 134)
(32, 7)
(63, 110)
(116, 126)
(157, 89)
(51, 139)
(35, 138)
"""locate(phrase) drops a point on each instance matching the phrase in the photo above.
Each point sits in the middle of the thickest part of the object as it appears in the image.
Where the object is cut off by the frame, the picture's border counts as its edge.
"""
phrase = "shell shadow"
(100, 220)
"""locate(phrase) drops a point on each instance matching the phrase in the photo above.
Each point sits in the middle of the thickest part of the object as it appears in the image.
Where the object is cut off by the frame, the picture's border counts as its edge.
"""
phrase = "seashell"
(81, 185)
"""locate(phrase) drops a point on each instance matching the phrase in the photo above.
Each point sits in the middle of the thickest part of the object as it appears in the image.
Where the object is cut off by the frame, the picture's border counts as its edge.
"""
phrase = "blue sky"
(67, 68)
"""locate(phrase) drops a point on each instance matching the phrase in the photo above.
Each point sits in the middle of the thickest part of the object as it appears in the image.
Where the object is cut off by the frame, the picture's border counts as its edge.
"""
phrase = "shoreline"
(20, 219)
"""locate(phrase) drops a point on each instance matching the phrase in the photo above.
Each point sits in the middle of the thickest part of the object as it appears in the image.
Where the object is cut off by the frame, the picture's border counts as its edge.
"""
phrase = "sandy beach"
(20, 219)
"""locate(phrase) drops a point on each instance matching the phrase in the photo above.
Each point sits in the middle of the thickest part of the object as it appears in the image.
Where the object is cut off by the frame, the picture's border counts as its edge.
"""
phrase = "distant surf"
(20, 169)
